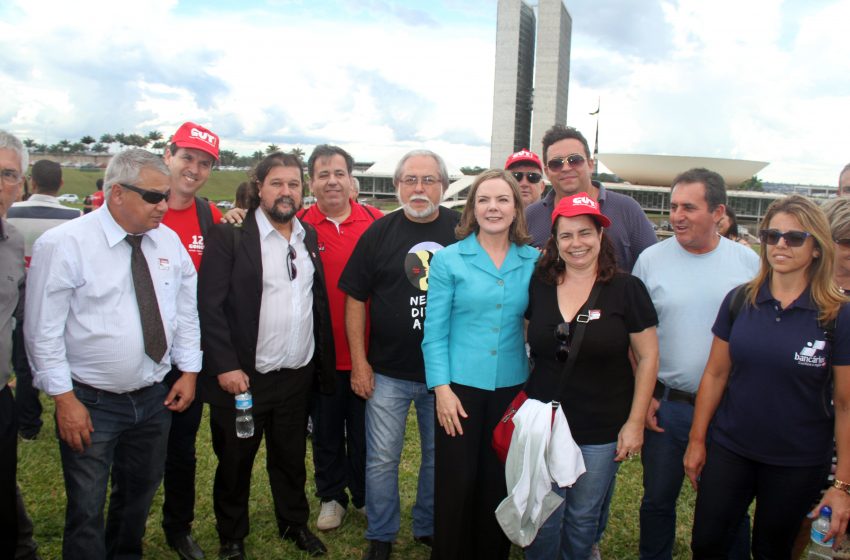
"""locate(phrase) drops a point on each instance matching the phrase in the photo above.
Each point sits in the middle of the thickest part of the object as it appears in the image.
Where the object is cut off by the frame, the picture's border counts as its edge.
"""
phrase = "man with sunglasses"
(526, 168)
(569, 168)
(190, 158)
(687, 276)
(112, 304)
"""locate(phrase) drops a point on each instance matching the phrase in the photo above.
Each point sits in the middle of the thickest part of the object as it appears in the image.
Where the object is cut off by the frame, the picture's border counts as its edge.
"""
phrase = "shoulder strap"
(205, 219)
(737, 302)
(578, 335)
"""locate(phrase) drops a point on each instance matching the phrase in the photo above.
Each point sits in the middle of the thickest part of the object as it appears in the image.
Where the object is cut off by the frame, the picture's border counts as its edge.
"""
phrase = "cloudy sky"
(753, 79)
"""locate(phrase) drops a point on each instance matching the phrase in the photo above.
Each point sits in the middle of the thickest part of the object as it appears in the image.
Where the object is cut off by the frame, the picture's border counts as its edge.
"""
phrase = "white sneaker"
(331, 515)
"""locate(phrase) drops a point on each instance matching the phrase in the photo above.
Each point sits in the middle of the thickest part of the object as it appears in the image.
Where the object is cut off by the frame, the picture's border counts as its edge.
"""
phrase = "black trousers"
(178, 506)
(8, 472)
(281, 401)
(26, 396)
(729, 483)
(339, 443)
(469, 480)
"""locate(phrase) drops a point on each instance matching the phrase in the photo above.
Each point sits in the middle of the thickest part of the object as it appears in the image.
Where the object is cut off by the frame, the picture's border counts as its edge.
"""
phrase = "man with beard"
(266, 328)
(389, 268)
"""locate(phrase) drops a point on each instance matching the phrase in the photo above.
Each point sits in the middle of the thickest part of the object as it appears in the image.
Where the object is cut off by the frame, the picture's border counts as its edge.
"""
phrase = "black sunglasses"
(151, 197)
(290, 264)
(532, 176)
(573, 160)
(844, 242)
(562, 335)
(792, 238)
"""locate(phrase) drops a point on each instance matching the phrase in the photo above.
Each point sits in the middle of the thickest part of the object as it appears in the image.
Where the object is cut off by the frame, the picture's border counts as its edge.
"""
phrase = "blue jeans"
(386, 417)
(130, 437)
(571, 530)
(663, 454)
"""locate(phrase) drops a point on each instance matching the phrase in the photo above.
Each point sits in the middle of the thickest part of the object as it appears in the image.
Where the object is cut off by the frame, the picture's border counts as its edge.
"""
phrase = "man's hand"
(182, 392)
(234, 216)
(362, 380)
(234, 382)
(73, 421)
(652, 416)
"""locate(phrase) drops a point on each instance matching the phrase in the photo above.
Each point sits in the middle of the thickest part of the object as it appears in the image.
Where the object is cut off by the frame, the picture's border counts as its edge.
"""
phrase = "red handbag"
(504, 430)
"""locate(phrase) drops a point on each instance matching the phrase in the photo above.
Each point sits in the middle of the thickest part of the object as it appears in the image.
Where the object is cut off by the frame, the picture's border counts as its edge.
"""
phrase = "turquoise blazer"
(474, 330)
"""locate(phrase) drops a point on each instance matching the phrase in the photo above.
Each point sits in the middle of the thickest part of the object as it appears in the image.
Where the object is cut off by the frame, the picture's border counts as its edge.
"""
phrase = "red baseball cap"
(191, 135)
(580, 204)
(523, 156)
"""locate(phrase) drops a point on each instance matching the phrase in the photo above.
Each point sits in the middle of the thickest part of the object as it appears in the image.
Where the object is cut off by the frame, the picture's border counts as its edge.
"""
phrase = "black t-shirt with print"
(598, 395)
(389, 268)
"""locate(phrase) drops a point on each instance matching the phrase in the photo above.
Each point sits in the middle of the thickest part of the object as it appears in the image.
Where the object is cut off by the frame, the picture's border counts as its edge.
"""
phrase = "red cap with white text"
(580, 204)
(523, 156)
(191, 135)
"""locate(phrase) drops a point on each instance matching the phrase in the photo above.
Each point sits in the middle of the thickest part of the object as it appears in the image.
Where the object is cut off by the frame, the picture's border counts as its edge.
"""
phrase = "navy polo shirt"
(777, 406)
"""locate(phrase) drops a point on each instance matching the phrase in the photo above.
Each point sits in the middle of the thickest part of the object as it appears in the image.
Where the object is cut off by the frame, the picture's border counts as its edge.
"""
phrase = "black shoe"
(427, 540)
(186, 547)
(304, 540)
(378, 550)
(232, 550)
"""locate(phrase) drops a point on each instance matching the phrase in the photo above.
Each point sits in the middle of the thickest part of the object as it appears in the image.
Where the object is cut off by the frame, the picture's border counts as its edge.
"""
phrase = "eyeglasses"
(532, 176)
(412, 181)
(573, 160)
(151, 197)
(11, 177)
(290, 264)
(845, 242)
(562, 335)
(792, 238)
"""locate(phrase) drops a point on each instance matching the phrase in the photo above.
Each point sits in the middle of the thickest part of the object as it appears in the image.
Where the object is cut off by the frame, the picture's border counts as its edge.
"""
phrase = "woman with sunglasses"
(767, 389)
(604, 399)
(838, 213)
(475, 361)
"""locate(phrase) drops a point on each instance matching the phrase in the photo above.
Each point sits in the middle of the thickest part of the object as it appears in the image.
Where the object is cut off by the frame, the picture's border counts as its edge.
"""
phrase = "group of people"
(694, 354)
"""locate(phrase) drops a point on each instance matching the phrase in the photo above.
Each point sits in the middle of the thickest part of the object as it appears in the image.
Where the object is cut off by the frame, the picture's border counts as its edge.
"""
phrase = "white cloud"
(757, 80)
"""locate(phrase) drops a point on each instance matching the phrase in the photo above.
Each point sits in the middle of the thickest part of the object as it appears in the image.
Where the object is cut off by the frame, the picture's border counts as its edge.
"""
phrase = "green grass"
(220, 186)
(40, 477)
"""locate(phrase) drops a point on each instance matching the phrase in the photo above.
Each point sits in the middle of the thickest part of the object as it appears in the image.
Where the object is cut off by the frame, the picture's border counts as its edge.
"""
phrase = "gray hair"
(9, 141)
(444, 174)
(126, 166)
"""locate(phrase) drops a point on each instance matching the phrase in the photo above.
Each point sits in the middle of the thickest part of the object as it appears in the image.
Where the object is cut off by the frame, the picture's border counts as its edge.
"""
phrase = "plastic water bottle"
(820, 527)
(244, 418)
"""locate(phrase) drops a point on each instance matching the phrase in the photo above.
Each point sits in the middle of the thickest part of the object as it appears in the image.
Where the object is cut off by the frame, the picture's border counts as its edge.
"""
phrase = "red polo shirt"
(336, 243)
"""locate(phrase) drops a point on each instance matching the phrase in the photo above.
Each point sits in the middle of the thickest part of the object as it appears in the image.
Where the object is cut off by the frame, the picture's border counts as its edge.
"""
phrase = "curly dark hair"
(550, 267)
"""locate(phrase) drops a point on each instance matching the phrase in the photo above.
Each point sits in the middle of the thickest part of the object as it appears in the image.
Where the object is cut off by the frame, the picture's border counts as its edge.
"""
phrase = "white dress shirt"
(285, 337)
(82, 315)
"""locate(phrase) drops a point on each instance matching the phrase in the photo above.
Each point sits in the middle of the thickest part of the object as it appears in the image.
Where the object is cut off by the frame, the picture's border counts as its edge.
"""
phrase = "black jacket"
(230, 289)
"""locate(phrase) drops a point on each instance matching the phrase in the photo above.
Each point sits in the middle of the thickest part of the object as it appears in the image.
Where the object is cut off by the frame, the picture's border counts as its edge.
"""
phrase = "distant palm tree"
(272, 148)
(297, 151)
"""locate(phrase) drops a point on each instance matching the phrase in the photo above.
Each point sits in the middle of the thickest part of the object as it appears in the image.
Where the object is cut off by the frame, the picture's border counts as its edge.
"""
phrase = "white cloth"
(285, 337)
(82, 319)
(541, 452)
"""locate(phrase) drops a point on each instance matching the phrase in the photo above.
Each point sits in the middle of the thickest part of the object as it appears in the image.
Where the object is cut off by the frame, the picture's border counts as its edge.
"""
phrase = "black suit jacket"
(230, 289)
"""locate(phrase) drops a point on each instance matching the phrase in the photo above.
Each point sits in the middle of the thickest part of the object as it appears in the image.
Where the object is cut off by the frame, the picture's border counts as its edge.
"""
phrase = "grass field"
(40, 477)
(220, 186)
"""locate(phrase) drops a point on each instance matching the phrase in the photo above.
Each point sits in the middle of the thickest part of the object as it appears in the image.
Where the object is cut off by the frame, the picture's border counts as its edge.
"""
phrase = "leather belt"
(665, 393)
